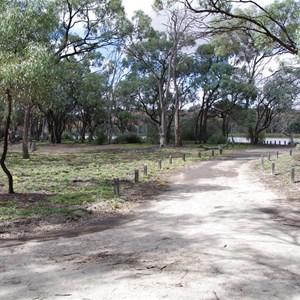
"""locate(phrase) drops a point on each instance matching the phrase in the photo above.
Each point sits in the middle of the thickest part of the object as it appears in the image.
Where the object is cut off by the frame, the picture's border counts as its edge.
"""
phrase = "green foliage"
(101, 137)
(128, 138)
(67, 135)
(217, 138)
(60, 180)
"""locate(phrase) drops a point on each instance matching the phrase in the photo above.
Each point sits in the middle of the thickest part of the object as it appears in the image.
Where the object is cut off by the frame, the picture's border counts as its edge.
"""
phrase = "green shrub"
(127, 138)
(66, 135)
(217, 138)
(101, 137)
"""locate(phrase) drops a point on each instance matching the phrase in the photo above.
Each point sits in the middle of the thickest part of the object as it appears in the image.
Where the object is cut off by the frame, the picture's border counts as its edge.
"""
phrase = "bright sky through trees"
(146, 5)
(133, 5)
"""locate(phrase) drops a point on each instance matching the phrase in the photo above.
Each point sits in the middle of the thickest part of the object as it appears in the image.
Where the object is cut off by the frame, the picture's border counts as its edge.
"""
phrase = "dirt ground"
(217, 232)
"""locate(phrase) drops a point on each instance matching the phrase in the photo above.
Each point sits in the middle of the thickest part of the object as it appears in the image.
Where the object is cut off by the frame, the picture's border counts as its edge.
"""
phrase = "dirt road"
(216, 233)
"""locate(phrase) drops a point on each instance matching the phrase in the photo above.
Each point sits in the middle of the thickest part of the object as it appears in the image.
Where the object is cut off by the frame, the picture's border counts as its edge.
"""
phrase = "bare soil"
(220, 230)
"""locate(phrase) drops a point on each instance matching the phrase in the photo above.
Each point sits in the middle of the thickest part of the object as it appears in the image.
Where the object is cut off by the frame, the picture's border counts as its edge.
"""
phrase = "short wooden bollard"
(117, 186)
(136, 176)
(199, 154)
(279, 142)
(292, 175)
(262, 163)
(269, 156)
(212, 152)
(221, 151)
(273, 169)
(159, 164)
(145, 170)
(170, 159)
(183, 156)
(277, 154)
(291, 152)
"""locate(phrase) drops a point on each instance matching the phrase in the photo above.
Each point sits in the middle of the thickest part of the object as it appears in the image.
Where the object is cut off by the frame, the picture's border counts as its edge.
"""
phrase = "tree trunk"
(110, 129)
(163, 118)
(204, 126)
(58, 133)
(251, 135)
(25, 138)
(225, 125)
(5, 145)
(82, 133)
(178, 142)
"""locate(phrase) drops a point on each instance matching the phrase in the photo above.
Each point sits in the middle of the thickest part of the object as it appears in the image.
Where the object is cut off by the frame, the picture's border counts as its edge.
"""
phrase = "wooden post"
(279, 142)
(159, 164)
(199, 154)
(145, 170)
(277, 154)
(136, 176)
(292, 175)
(183, 156)
(273, 169)
(221, 151)
(212, 152)
(170, 159)
(269, 156)
(262, 163)
(291, 152)
(117, 186)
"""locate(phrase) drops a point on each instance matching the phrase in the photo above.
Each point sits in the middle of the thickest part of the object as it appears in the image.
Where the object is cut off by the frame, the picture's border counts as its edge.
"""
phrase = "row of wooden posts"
(292, 170)
(116, 181)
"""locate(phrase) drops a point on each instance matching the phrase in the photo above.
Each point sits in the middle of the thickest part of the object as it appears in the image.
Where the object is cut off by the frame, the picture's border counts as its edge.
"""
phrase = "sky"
(133, 5)
(145, 5)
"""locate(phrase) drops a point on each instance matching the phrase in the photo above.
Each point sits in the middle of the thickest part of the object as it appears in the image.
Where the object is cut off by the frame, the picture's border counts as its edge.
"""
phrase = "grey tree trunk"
(163, 118)
(5, 144)
(26, 126)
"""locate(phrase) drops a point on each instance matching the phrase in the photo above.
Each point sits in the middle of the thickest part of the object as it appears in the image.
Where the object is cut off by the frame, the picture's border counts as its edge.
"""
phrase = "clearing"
(216, 232)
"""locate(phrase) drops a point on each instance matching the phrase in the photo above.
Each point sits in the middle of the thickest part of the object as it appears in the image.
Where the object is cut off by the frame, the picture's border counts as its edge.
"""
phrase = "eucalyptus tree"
(180, 28)
(91, 105)
(276, 96)
(24, 57)
(86, 26)
(62, 96)
(276, 24)
(113, 70)
(148, 52)
(214, 82)
(257, 67)
(142, 91)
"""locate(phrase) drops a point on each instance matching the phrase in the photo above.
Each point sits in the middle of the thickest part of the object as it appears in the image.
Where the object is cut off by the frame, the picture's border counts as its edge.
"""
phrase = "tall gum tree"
(278, 24)
(23, 54)
(149, 51)
(253, 60)
(24, 35)
(182, 36)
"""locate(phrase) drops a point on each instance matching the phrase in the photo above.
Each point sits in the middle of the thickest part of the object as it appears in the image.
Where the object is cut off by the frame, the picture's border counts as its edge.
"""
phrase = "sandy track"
(215, 233)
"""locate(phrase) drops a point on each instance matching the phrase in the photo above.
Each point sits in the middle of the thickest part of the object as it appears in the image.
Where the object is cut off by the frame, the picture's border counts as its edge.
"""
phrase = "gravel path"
(216, 233)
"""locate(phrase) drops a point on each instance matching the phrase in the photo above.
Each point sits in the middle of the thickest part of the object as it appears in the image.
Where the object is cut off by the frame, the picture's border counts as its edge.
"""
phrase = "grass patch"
(283, 165)
(73, 176)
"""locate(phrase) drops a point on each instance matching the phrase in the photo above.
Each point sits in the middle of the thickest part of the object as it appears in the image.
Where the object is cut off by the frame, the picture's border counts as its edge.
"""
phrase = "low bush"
(101, 137)
(217, 138)
(127, 138)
